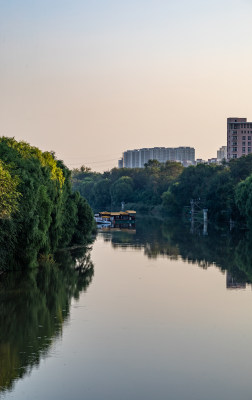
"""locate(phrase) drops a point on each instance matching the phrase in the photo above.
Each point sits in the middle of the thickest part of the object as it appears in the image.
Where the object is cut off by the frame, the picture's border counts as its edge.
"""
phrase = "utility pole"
(196, 216)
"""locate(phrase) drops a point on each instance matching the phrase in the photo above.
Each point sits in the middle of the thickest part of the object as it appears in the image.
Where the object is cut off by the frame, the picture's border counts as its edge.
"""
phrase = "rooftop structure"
(137, 158)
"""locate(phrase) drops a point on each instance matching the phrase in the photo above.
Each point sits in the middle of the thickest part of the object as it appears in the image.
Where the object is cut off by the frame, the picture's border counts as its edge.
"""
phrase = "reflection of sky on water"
(152, 327)
(174, 240)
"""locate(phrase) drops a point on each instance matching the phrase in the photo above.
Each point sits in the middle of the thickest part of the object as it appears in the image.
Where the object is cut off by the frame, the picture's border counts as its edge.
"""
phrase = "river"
(157, 312)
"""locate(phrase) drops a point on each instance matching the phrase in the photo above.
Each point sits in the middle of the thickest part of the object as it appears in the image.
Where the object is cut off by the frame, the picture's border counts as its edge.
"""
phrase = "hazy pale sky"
(91, 79)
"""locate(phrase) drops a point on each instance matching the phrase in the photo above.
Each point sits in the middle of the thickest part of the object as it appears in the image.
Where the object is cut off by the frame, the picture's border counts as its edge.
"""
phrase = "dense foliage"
(8, 192)
(142, 187)
(225, 189)
(222, 189)
(38, 210)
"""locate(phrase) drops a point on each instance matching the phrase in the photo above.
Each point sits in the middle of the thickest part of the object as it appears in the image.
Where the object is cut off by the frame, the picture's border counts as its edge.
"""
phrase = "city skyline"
(137, 158)
(89, 80)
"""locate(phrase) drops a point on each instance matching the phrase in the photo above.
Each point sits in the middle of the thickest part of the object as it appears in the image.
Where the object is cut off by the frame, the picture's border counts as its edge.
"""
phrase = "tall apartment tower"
(239, 133)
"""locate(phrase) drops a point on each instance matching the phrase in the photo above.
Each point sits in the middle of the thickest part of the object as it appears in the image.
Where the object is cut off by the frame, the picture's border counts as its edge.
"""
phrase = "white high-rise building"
(137, 158)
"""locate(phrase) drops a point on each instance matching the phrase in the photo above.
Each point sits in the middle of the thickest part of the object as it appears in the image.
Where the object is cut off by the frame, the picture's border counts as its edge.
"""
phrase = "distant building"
(212, 161)
(200, 161)
(137, 158)
(239, 133)
(222, 153)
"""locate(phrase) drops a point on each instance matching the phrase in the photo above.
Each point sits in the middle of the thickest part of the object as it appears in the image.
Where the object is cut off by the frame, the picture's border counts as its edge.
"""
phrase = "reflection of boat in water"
(101, 225)
(125, 228)
(102, 221)
(120, 219)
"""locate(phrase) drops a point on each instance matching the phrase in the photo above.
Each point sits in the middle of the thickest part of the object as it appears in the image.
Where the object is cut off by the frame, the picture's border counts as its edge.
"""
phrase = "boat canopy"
(107, 213)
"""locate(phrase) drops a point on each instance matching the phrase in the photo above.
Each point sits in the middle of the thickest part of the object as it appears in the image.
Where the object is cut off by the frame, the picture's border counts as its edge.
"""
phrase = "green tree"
(122, 190)
(243, 198)
(48, 212)
(9, 194)
(102, 194)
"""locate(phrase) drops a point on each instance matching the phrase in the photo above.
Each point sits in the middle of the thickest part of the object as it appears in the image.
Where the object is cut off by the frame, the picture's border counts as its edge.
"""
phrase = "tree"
(240, 168)
(101, 193)
(122, 190)
(243, 199)
(49, 214)
(9, 194)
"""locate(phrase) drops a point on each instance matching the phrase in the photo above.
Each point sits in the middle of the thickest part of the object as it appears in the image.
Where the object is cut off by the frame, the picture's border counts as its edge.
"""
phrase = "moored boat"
(116, 218)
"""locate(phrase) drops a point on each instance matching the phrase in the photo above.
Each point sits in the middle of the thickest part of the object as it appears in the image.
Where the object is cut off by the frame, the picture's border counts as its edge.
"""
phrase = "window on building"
(244, 143)
(249, 137)
(243, 137)
(234, 137)
(243, 149)
(234, 148)
(249, 149)
(234, 155)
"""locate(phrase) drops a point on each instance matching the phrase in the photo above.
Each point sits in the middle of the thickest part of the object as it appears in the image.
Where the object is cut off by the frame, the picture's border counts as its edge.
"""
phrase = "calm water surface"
(156, 313)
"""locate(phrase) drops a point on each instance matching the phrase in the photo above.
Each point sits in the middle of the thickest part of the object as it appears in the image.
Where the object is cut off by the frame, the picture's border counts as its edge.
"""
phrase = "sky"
(91, 79)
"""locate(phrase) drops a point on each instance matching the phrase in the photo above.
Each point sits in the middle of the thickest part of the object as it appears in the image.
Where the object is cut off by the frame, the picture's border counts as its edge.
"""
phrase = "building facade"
(222, 153)
(239, 133)
(137, 158)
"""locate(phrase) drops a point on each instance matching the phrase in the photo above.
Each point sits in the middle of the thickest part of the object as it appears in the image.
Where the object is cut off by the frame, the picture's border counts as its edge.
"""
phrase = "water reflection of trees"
(33, 308)
(230, 251)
